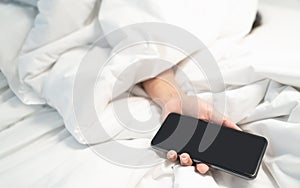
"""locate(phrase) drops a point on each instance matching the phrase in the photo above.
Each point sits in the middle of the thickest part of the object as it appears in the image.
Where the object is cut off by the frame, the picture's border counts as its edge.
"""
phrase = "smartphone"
(235, 152)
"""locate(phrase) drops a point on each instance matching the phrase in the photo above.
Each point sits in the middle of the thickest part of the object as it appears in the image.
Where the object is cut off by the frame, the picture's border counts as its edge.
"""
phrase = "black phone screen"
(236, 152)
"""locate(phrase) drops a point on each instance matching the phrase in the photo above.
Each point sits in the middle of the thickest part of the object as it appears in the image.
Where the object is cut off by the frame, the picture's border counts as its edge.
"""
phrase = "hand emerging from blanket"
(167, 94)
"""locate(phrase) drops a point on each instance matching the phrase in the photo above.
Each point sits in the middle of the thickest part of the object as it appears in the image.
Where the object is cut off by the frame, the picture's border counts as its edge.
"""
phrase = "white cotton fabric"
(207, 20)
(32, 3)
(14, 34)
(29, 2)
(261, 77)
(58, 28)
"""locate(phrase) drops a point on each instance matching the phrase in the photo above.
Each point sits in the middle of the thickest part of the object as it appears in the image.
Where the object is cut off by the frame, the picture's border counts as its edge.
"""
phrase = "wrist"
(162, 91)
(163, 88)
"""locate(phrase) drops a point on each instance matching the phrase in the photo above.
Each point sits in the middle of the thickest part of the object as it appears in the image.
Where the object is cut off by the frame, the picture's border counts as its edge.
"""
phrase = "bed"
(36, 150)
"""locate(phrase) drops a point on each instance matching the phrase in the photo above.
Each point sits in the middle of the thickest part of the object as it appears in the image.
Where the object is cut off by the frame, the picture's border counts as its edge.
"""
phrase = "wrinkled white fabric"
(261, 77)
(56, 33)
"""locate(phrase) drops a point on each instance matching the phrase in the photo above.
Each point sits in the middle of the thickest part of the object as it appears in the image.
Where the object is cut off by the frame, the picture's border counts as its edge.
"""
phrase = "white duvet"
(261, 76)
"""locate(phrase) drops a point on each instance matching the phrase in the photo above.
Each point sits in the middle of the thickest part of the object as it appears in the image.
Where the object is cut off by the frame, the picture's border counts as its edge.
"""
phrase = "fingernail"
(184, 159)
(171, 154)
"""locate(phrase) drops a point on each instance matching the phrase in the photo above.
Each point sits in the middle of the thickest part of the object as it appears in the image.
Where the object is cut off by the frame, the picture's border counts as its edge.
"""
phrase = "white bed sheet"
(37, 151)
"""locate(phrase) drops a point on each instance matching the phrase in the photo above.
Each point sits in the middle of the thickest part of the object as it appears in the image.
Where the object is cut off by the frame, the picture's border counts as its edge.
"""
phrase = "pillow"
(207, 20)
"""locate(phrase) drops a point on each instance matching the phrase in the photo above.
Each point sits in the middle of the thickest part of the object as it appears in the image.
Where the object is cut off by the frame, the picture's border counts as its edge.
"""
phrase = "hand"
(198, 108)
(164, 90)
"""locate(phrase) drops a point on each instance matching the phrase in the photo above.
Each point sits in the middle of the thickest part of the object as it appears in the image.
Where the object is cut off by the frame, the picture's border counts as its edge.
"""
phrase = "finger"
(202, 168)
(185, 159)
(165, 115)
(172, 155)
(228, 123)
